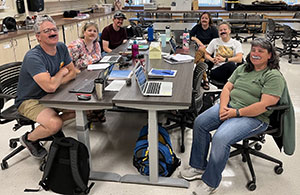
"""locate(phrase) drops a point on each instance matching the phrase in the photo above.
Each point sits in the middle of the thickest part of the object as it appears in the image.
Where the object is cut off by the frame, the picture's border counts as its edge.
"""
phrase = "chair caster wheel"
(278, 169)
(257, 147)
(13, 144)
(251, 186)
(43, 166)
(4, 165)
(182, 149)
(290, 61)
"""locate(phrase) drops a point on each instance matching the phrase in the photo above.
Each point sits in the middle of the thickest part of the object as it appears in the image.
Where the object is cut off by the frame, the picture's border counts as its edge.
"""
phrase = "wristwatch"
(237, 113)
(226, 59)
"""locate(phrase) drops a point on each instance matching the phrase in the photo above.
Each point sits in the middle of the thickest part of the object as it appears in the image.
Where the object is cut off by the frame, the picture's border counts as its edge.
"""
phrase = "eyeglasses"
(48, 30)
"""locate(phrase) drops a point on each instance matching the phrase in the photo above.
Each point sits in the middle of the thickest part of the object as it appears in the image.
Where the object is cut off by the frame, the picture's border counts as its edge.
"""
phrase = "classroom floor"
(112, 148)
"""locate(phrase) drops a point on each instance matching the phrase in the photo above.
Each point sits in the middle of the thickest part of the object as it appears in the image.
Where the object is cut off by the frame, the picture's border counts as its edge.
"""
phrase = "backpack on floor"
(67, 169)
(168, 162)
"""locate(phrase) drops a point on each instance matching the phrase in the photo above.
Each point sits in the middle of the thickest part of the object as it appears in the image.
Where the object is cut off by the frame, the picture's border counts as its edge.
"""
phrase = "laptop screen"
(140, 77)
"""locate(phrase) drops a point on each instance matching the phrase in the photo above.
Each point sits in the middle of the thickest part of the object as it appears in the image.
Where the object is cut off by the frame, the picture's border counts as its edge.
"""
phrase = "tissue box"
(155, 50)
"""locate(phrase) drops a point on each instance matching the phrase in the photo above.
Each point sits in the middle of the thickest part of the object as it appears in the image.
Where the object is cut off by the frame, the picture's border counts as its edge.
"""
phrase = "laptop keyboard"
(86, 88)
(153, 88)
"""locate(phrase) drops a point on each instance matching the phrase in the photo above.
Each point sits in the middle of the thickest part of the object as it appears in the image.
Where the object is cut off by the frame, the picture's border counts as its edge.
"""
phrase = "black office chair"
(253, 27)
(237, 28)
(191, 15)
(9, 77)
(274, 32)
(296, 15)
(185, 118)
(290, 42)
(252, 145)
(163, 15)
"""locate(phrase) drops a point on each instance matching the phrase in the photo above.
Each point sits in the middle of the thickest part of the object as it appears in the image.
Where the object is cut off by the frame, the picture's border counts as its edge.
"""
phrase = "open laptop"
(152, 88)
(110, 59)
(88, 86)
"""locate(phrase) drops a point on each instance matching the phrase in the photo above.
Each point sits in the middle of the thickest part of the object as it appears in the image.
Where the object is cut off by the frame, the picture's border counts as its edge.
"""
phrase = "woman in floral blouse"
(86, 50)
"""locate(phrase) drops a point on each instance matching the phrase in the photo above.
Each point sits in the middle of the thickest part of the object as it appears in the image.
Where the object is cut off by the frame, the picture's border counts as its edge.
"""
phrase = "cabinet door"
(71, 33)
(7, 52)
(60, 34)
(80, 26)
(32, 40)
(21, 47)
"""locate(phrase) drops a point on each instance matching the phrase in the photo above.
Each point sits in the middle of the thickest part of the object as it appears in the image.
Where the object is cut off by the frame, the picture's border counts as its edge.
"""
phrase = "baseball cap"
(119, 15)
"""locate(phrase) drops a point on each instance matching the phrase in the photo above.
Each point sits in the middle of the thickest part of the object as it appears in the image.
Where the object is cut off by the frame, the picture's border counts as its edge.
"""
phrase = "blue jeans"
(227, 132)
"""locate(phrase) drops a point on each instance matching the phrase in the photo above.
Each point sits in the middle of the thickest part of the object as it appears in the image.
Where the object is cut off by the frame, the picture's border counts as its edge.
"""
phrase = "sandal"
(97, 116)
(205, 85)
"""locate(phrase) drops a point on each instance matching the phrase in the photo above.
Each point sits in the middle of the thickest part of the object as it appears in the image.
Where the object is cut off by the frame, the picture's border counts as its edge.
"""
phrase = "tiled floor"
(112, 147)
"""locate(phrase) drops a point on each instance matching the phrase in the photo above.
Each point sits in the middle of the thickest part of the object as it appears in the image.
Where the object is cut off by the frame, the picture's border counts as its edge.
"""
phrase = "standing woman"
(202, 34)
(86, 50)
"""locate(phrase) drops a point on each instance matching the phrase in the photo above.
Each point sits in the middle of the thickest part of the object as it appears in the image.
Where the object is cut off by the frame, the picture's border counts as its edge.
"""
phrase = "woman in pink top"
(86, 50)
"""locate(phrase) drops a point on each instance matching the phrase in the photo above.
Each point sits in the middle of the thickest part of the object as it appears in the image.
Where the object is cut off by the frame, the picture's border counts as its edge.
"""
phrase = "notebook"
(152, 88)
(110, 59)
(87, 86)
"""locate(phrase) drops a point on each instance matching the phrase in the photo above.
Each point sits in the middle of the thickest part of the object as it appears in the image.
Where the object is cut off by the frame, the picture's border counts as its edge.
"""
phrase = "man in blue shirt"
(44, 69)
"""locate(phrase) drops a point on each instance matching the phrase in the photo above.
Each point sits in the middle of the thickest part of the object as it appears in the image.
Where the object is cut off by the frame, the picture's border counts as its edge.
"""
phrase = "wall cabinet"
(70, 32)
(14, 49)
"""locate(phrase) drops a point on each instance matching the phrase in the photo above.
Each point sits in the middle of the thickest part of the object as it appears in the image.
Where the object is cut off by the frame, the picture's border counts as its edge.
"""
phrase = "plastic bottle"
(185, 41)
(168, 32)
(135, 49)
(150, 33)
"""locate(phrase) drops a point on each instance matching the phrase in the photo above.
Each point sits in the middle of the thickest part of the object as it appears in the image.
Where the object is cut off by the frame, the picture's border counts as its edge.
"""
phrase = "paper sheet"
(98, 66)
(115, 85)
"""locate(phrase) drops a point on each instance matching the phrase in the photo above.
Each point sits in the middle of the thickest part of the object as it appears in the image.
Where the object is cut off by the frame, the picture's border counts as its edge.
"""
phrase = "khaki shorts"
(31, 109)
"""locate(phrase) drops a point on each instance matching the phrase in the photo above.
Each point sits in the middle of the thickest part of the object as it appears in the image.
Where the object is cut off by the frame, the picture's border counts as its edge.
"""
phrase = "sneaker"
(35, 149)
(204, 189)
(191, 173)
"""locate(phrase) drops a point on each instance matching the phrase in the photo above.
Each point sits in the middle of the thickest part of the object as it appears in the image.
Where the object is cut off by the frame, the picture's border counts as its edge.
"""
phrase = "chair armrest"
(278, 107)
(6, 96)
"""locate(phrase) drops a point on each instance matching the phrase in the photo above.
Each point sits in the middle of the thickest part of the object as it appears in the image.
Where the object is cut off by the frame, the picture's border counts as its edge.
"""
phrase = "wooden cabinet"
(13, 49)
(32, 40)
(21, 47)
(7, 52)
(70, 32)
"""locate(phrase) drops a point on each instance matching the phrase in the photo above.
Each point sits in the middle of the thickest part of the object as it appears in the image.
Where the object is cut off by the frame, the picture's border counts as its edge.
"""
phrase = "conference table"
(130, 97)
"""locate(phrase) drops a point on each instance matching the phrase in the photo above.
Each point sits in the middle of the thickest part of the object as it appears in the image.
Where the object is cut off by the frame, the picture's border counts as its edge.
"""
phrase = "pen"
(168, 72)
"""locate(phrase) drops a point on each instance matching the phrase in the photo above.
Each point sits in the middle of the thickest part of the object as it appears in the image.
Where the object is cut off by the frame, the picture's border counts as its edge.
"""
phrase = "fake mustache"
(223, 33)
(52, 36)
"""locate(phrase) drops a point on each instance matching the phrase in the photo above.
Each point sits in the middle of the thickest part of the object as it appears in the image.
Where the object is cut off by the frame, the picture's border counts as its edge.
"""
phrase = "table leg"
(83, 136)
(153, 145)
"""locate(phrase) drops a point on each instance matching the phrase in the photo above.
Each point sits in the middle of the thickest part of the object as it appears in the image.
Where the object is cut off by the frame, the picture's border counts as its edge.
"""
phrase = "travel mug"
(99, 82)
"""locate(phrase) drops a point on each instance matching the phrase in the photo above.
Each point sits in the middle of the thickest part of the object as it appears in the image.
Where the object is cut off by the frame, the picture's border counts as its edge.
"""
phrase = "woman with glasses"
(241, 113)
(86, 50)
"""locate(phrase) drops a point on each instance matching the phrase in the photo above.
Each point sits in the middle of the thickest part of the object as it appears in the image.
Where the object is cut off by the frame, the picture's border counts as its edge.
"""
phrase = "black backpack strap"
(49, 163)
(74, 168)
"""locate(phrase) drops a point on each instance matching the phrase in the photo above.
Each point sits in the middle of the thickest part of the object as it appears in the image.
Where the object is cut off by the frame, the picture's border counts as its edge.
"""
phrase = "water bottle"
(150, 33)
(134, 49)
(168, 32)
(185, 41)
